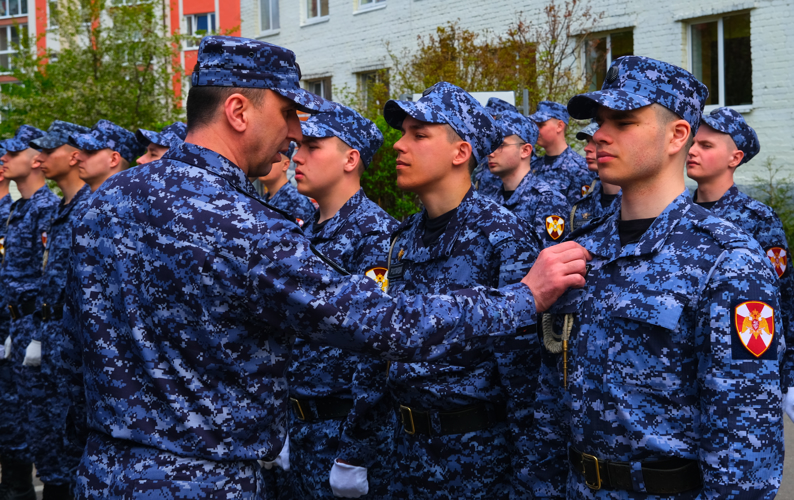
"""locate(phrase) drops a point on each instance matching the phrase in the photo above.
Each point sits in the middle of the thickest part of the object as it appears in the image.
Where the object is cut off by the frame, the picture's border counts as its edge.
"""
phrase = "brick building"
(737, 47)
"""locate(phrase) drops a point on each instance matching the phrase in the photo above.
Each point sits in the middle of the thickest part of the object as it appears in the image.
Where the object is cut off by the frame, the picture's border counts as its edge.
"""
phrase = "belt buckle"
(296, 406)
(594, 460)
(45, 312)
(403, 410)
(14, 311)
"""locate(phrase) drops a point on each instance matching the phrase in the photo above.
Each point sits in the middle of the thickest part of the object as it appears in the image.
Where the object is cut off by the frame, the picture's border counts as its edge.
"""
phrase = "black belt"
(663, 477)
(22, 309)
(469, 419)
(310, 410)
(51, 312)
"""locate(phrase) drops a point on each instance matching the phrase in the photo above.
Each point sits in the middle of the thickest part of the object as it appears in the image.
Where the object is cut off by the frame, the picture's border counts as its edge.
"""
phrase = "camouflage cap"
(548, 110)
(730, 122)
(290, 150)
(22, 138)
(634, 82)
(496, 105)
(227, 61)
(449, 104)
(107, 135)
(512, 123)
(58, 135)
(350, 127)
(588, 131)
(170, 136)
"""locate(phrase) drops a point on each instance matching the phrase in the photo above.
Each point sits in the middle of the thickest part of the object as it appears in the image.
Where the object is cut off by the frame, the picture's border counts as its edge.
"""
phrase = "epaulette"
(725, 233)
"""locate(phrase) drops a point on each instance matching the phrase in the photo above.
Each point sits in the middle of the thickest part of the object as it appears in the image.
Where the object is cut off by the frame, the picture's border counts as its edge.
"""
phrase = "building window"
(321, 87)
(373, 87)
(729, 79)
(9, 40)
(367, 4)
(268, 15)
(600, 51)
(197, 27)
(10, 8)
(316, 9)
(52, 14)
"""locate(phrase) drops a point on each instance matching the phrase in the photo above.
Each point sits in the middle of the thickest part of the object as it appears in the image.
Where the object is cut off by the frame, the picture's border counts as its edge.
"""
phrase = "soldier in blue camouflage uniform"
(561, 167)
(354, 232)
(26, 235)
(723, 143)
(458, 417)
(282, 194)
(45, 397)
(664, 378)
(105, 150)
(483, 179)
(544, 210)
(157, 143)
(602, 199)
(186, 290)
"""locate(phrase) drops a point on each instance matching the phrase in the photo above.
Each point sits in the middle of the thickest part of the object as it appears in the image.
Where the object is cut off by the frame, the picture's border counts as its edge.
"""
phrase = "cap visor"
(47, 142)
(317, 130)
(394, 112)
(86, 142)
(145, 137)
(306, 101)
(584, 106)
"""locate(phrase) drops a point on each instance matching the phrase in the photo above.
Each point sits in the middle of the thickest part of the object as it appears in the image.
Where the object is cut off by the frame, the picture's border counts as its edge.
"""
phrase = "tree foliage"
(114, 62)
(778, 193)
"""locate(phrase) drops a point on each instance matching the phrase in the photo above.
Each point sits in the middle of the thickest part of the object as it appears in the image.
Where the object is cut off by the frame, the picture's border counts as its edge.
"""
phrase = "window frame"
(327, 86)
(10, 50)
(191, 38)
(20, 13)
(374, 5)
(608, 36)
(740, 108)
(308, 21)
(271, 30)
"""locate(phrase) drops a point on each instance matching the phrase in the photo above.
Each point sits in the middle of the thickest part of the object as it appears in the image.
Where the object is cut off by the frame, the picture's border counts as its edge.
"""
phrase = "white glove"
(788, 403)
(7, 347)
(33, 354)
(282, 460)
(348, 481)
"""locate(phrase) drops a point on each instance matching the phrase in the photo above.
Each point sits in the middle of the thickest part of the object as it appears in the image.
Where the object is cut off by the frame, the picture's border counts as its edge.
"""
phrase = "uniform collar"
(335, 223)
(65, 209)
(604, 241)
(523, 186)
(214, 163)
(727, 199)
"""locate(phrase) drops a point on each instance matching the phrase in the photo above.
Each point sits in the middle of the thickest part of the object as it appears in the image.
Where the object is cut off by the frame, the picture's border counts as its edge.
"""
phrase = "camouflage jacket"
(288, 199)
(568, 174)
(590, 207)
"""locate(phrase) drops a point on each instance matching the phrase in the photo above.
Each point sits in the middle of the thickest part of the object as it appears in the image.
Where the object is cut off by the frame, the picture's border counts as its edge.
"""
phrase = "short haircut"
(665, 117)
(203, 102)
(453, 136)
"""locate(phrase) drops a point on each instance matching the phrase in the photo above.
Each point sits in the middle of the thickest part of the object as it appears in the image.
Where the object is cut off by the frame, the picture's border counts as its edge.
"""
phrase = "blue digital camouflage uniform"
(288, 199)
(484, 181)
(674, 348)
(357, 239)
(107, 135)
(170, 136)
(483, 244)
(761, 222)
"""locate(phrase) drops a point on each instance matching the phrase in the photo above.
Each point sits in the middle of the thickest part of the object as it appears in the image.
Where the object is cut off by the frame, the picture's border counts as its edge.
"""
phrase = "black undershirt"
(434, 228)
(630, 231)
(509, 194)
(607, 199)
(549, 160)
(708, 205)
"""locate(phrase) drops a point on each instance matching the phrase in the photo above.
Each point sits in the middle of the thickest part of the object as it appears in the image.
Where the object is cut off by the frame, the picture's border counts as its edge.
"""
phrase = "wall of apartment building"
(352, 41)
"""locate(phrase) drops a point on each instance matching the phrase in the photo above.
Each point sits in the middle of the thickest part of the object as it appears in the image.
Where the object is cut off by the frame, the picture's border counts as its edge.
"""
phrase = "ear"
(679, 130)
(115, 160)
(236, 110)
(352, 158)
(73, 158)
(736, 158)
(526, 151)
(560, 127)
(462, 154)
(285, 164)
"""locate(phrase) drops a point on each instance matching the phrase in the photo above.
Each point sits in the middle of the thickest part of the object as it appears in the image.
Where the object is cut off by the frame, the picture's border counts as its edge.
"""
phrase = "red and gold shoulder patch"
(380, 276)
(754, 322)
(555, 226)
(779, 258)
(299, 221)
(586, 190)
(44, 238)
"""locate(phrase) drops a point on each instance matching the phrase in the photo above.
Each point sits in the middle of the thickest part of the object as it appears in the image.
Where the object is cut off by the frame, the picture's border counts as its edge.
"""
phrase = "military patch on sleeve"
(44, 238)
(380, 276)
(586, 190)
(754, 331)
(779, 258)
(555, 225)
(299, 221)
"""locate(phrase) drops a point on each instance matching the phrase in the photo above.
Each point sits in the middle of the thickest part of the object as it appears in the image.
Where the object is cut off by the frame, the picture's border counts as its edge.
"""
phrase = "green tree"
(116, 62)
(778, 193)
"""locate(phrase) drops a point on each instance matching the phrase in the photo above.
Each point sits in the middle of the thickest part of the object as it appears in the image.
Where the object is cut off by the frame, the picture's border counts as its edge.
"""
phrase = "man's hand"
(557, 269)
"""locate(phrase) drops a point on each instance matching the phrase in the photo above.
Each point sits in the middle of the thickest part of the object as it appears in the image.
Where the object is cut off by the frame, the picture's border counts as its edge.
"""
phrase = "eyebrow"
(419, 126)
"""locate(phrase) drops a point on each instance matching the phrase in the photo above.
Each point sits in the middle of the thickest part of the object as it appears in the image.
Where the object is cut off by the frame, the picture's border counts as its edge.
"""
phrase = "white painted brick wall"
(348, 43)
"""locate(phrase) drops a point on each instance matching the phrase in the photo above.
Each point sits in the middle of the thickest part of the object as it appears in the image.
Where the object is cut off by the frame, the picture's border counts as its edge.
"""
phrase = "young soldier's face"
(629, 145)
(153, 152)
(319, 165)
(95, 165)
(507, 157)
(548, 131)
(590, 155)
(279, 168)
(424, 155)
(56, 163)
(17, 166)
(712, 154)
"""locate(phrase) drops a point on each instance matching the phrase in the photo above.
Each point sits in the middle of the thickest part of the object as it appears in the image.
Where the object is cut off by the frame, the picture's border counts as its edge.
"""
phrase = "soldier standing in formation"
(158, 143)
